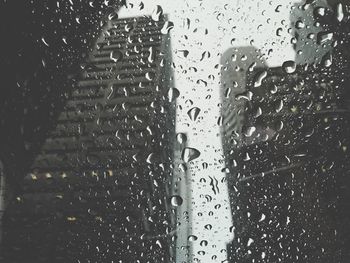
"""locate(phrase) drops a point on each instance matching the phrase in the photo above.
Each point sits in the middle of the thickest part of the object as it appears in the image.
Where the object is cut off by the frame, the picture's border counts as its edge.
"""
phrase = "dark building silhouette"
(45, 44)
(289, 172)
(96, 188)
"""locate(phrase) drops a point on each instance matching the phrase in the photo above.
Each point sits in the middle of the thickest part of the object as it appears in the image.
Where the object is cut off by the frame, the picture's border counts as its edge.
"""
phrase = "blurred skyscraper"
(98, 188)
(289, 166)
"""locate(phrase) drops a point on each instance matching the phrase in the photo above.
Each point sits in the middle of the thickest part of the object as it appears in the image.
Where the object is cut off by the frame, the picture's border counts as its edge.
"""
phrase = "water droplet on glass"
(149, 75)
(150, 158)
(259, 78)
(193, 113)
(176, 200)
(279, 106)
(311, 36)
(262, 218)
(278, 8)
(44, 41)
(299, 24)
(250, 241)
(289, 66)
(340, 12)
(192, 238)
(173, 94)
(249, 131)
(203, 243)
(279, 32)
(181, 138)
(141, 5)
(184, 53)
(157, 13)
(116, 56)
(208, 227)
(168, 25)
(151, 55)
(189, 154)
(258, 112)
(321, 11)
(327, 60)
(322, 37)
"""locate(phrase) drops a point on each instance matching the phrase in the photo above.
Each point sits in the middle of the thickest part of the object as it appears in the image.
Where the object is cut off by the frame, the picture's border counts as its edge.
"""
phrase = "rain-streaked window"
(175, 131)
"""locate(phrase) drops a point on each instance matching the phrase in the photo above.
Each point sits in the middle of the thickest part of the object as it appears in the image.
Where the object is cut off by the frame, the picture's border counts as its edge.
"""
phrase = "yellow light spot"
(294, 109)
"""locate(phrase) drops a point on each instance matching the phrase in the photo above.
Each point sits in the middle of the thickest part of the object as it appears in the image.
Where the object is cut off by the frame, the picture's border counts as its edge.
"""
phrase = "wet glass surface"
(175, 131)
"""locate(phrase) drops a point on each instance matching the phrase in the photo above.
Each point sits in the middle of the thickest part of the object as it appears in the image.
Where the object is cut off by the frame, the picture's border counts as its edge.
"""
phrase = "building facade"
(97, 191)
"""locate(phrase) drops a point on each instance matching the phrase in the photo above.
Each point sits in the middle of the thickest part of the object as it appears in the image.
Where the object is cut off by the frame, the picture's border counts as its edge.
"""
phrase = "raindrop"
(252, 66)
(311, 36)
(327, 60)
(181, 138)
(340, 12)
(189, 154)
(44, 41)
(279, 106)
(321, 11)
(184, 53)
(323, 37)
(220, 121)
(151, 55)
(205, 165)
(149, 76)
(220, 17)
(259, 78)
(279, 32)
(249, 132)
(278, 8)
(157, 13)
(299, 24)
(258, 112)
(250, 241)
(246, 95)
(176, 200)
(151, 158)
(204, 243)
(192, 238)
(262, 218)
(112, 16)
(168, 25)
(193, 113)
(116, 56)
(208, 227)
(159, 243)
(173, 94)
(289, 66)
(141, 5)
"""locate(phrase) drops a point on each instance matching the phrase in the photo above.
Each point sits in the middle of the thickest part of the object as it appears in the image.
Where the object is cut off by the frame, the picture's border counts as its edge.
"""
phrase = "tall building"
(97, 191)
(289, 178)
(288, 161)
